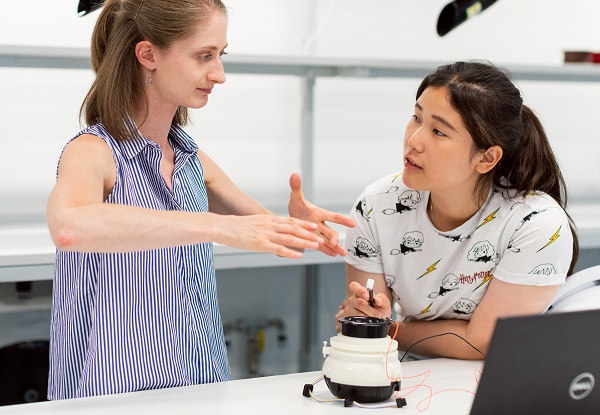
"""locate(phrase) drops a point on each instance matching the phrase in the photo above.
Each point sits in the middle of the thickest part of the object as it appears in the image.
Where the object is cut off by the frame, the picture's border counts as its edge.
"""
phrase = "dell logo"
(581, 386)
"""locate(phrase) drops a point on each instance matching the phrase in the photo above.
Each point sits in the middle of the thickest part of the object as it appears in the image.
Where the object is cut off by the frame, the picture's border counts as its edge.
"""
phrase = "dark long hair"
(493, 112)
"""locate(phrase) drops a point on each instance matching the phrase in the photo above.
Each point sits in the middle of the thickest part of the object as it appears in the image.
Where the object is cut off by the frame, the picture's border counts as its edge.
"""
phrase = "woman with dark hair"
(137, 205)
(488, 236)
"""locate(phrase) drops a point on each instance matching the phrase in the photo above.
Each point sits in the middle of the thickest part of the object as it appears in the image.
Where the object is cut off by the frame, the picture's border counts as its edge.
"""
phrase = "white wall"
(252, 124)
(258, 116)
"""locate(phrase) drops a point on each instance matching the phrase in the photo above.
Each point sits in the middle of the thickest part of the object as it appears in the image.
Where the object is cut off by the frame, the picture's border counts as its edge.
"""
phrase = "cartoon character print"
(396, 177)
(543, 269)
(486, 278)
(552, 239)
(511, 246)
(411, 242)
(406, 202)
(482, 251)
(390, 280)
(506, 195)
(464, 306)
(514, 205)
(525, 219)
(361, 208)
(427, 310)
(528, 217)
(364, 249)
(391, 190)
(449, 283)
(457, 238)
(429, 269)
(488, 218)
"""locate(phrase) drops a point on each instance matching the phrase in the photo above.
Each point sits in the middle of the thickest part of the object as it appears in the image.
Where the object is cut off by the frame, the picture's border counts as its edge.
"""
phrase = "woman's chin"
(410, 181)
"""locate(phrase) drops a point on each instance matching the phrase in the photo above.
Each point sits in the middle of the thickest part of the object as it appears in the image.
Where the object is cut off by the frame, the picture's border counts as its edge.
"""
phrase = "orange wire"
(388, 353)
(428, 398)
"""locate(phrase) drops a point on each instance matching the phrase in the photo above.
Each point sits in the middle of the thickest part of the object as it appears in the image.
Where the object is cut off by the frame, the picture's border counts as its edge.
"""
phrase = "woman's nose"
(414, 138)
(217, 73)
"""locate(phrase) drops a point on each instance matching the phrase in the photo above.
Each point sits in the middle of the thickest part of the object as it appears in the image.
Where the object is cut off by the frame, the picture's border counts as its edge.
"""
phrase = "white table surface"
(450, 385)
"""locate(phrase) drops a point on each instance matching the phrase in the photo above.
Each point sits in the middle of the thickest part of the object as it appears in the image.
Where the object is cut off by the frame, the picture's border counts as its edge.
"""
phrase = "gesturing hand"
(269, 233)
(301, 208)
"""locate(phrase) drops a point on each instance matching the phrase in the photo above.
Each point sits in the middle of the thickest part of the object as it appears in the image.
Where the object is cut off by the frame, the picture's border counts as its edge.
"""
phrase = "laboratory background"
(339, 124)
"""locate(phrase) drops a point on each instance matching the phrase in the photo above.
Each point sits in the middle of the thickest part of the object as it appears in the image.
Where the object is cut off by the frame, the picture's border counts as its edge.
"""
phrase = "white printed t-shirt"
(517, 239)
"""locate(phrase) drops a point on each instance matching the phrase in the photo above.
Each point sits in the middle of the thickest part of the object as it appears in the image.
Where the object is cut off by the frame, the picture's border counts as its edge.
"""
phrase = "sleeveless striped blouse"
(125, 322)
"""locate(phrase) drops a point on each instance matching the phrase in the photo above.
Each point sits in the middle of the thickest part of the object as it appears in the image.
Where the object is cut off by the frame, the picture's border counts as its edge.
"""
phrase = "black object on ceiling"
(452, 15)
(456, 12)
(88, 6)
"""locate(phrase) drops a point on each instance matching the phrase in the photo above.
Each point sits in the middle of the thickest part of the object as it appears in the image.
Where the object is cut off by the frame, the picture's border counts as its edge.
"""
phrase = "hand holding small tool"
(369, 286)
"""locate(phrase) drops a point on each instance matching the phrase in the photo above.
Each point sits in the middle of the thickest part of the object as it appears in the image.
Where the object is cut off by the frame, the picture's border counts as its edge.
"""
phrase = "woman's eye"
(438, 132)
(415, 118)
(222, 54)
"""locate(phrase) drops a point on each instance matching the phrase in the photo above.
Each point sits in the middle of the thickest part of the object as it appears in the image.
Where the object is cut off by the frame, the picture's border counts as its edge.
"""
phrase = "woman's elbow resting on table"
(501, 300)
(441, 338)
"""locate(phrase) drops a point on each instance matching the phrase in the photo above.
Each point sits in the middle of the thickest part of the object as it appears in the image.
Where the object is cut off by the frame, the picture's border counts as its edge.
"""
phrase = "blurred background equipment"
(456, 12)
(88, 6)
(24, 374)
(245, 351)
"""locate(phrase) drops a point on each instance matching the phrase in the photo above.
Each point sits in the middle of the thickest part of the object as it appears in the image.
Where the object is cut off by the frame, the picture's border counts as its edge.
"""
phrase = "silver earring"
(149, 79)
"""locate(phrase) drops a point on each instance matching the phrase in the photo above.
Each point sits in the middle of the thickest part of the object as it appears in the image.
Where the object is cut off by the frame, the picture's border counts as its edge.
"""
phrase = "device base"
(362, 394)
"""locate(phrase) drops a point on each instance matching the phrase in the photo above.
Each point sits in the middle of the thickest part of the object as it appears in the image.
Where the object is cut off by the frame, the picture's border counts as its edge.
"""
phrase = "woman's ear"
(144, 52)
(487, 160)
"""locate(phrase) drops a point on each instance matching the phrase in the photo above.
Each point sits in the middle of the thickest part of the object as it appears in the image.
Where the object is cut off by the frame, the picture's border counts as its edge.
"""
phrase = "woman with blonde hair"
(137, 205)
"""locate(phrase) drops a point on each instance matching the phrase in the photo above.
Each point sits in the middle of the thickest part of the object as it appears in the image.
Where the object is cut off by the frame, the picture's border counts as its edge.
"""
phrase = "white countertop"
(442, 386)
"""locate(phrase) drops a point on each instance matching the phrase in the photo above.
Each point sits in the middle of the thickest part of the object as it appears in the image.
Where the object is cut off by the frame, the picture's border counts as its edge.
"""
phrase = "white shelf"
(33, 304)
(78, 58)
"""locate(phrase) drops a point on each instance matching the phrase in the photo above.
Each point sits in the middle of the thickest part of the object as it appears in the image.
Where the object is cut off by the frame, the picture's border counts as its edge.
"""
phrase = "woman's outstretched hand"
(269, 233)
(301, 208)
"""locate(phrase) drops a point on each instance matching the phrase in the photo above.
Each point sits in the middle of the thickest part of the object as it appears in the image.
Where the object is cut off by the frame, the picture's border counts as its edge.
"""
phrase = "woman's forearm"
(120, 228)
(446, 338)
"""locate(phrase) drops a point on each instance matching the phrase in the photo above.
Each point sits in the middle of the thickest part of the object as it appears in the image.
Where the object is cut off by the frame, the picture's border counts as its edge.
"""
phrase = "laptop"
(542, 364)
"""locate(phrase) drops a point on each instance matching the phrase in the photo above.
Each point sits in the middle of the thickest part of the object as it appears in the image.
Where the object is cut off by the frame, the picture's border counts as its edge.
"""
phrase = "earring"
(149, 79)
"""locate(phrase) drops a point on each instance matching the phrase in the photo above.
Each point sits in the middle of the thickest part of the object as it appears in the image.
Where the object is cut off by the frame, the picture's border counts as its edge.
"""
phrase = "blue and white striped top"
(125, 322)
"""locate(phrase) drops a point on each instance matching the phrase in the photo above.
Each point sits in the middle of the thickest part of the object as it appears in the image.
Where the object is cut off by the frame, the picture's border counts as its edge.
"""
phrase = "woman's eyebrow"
(437, 118)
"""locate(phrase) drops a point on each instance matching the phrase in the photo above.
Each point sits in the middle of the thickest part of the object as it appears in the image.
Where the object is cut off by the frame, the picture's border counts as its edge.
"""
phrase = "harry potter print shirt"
(522, 239)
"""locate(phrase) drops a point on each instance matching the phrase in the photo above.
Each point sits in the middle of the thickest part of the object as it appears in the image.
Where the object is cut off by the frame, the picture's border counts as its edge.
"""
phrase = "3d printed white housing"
(361, 361)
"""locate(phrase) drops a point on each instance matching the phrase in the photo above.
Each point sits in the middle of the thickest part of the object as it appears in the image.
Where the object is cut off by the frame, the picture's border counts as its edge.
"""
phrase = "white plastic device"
(361, 362)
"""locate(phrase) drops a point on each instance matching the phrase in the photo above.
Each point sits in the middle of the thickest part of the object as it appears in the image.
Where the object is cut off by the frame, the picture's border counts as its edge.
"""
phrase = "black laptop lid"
(542, 364)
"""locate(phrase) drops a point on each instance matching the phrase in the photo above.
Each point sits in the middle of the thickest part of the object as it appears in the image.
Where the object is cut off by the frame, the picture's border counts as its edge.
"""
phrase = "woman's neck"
(155, 123)
(448, 212)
